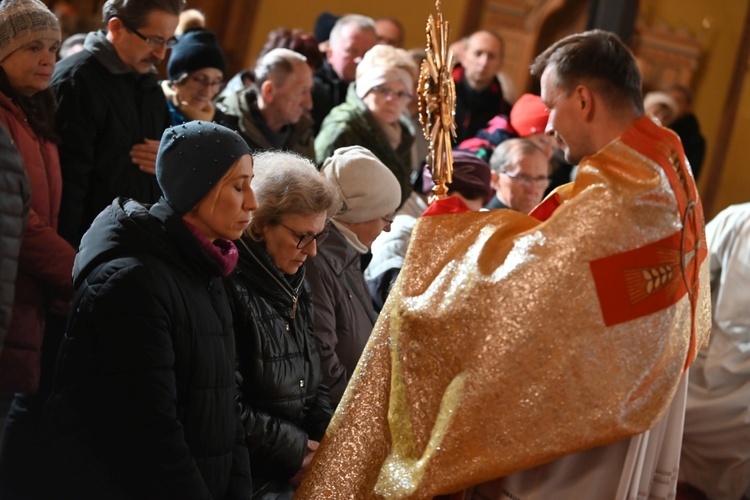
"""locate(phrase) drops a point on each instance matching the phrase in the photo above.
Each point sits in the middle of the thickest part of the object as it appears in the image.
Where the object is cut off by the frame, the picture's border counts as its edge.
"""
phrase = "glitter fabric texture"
(492, 353)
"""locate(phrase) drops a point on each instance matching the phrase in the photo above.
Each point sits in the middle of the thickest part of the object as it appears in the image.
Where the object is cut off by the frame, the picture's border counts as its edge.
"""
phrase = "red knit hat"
(529, 115)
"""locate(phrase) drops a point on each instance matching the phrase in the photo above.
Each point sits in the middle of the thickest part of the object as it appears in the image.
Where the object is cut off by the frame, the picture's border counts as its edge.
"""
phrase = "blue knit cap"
(195, 49)
(192, 158)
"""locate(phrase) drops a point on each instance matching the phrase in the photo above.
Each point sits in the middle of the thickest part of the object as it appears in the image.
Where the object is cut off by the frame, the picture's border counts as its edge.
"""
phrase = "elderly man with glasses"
(520, 174)
(112, 112)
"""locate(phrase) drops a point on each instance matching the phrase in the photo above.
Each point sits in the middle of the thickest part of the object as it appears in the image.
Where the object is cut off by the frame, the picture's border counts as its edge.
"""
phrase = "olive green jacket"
(351, 123)
(240, 103)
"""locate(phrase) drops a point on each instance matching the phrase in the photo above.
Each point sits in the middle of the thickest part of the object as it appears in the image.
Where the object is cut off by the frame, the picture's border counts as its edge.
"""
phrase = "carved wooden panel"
(232, 22)
(525, 24)
(77, 16)
(665, 56)
(530, 26)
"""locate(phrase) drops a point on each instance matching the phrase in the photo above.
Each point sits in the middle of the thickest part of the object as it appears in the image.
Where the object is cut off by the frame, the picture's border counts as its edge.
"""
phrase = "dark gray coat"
(344, 315)
(14, 208)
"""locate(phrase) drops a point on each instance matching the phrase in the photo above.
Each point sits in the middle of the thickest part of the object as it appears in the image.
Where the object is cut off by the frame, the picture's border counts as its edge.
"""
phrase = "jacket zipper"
(283, 286)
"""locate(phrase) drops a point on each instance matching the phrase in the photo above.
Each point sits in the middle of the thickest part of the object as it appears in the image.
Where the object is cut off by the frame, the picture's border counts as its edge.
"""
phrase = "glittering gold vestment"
(510, 340)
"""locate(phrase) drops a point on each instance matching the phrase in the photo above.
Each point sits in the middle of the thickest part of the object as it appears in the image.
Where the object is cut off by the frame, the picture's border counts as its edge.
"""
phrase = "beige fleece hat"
(369, 190)
(25, 21)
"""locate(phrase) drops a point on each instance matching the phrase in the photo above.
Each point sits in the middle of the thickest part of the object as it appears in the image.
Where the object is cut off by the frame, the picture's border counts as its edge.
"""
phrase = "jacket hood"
(96, 43)
(123, 228)
(127, 228)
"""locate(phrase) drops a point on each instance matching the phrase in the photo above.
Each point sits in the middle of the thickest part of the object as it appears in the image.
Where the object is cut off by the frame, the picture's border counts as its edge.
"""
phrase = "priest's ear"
(585, 100)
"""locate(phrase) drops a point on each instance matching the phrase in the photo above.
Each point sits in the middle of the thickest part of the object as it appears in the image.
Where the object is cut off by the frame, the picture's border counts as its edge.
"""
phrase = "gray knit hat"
(25, 21)
(368, 188)
(192, 158)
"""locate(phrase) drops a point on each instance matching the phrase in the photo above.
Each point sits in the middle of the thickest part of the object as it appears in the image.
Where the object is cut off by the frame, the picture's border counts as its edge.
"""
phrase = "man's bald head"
(482, 58)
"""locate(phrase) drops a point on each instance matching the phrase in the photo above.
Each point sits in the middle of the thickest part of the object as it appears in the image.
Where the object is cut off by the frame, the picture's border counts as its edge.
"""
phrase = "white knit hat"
(368, 188)
(384, 64)
(25, 21)
(659, 97)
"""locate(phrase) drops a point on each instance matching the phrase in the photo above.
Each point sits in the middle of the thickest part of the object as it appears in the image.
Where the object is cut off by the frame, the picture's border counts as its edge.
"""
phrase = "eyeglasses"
(389, 93)
(389, 218)
(205, 82)
(155, 42)
(528, 180)
(306, 239)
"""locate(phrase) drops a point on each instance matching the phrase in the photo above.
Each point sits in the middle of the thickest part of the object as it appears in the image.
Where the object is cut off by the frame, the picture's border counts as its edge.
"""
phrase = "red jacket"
(45, 261)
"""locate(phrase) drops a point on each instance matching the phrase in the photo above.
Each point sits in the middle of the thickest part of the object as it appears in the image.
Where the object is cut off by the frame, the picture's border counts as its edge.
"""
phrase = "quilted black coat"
(144, 401)
(284, 401)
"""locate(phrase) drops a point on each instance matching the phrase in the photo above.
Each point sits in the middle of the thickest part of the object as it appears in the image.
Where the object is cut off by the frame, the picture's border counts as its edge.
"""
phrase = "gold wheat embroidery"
(643, 282)
(656, 277)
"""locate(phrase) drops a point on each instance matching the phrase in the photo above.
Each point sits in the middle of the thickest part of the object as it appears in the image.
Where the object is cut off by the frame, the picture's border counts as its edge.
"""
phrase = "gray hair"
(363, 23)
(286, 183)
(509, 151)
(277, 65)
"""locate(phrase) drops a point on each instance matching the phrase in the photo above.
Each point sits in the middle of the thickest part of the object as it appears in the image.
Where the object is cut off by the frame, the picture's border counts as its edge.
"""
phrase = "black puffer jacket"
(284, 402)
(144, 400)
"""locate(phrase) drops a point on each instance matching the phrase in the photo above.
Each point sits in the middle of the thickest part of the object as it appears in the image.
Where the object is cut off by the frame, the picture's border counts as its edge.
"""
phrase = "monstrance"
(437, 102)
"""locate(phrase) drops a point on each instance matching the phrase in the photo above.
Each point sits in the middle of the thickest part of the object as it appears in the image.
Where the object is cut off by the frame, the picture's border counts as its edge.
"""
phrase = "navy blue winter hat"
(323, 26)
(192, 158)
(195, 49)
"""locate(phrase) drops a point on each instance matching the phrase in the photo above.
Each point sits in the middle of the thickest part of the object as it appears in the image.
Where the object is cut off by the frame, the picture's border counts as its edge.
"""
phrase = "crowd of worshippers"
(127, 380)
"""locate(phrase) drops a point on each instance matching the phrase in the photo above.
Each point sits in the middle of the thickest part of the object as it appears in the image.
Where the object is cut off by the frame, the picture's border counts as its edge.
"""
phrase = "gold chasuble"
(510, 340)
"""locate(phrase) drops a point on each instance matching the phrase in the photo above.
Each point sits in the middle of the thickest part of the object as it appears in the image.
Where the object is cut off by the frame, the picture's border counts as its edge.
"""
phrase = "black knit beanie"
(192, 158)
(323, 26)
(195, 49)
